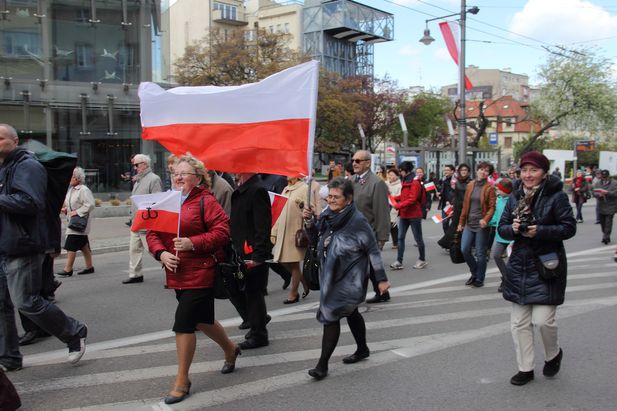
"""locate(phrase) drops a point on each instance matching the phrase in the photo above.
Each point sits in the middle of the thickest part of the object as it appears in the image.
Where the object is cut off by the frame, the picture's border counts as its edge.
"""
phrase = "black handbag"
(456, 255)
(311, 266)
(78, 223)
(550, 266)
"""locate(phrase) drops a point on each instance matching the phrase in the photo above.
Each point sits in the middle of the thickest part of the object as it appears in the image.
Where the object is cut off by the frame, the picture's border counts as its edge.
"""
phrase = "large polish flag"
(264, 127)
(449, 30)
(158, 211)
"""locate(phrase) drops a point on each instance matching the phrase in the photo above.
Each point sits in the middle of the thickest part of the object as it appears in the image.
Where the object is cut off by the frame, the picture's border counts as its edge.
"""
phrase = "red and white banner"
(264, 127)
(430, 186)
(277, 202)
(449, 30)
(158, 211)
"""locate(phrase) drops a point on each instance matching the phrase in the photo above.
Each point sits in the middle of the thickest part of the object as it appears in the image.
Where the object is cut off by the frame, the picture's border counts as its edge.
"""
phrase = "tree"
(426, 117)
(577, 93)
(235, 57)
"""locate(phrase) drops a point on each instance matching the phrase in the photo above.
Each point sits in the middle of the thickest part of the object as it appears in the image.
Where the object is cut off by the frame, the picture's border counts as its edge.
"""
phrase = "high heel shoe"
(305, 293)
(172, 399)
(230, 366)
(295, 300)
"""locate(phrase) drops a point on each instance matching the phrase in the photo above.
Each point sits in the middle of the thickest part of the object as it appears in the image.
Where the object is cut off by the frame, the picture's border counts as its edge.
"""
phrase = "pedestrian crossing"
(422, 318)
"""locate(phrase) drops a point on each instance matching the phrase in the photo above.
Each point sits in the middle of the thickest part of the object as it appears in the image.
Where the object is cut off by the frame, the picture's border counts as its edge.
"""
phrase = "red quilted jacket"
(410, 200)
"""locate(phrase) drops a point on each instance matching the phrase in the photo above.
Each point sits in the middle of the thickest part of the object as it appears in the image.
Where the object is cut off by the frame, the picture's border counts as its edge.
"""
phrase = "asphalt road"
(437, 345)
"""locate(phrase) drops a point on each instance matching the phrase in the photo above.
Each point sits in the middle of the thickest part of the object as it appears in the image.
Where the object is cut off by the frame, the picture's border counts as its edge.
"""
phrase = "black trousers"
(251, 305)
(606, 223)
(280, 270)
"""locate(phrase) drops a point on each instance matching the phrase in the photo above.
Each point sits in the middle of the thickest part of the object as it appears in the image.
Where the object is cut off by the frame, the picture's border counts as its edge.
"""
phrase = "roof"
(504, 107)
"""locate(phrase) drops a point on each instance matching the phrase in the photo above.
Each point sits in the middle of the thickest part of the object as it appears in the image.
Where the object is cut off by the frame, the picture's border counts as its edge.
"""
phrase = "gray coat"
(222, 192)
(347, 246)
(607, 204)
(371, 199)
(146, 183)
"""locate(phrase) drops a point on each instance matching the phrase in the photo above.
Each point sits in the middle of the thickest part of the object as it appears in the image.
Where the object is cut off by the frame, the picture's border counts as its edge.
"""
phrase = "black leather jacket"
(23, 185)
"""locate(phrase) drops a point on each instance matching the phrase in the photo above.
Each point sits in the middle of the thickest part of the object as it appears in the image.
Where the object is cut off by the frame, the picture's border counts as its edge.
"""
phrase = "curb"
(101, 250)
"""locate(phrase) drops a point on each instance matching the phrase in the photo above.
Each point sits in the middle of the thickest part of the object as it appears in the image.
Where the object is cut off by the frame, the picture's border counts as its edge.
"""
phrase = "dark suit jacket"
(251, 220)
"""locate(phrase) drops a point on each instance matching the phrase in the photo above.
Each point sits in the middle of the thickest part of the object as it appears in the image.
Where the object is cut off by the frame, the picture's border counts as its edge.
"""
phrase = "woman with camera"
(538, 217)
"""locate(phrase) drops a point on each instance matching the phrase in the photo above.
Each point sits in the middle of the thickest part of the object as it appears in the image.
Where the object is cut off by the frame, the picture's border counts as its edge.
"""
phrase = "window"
(21, 43)
(84, 56)
(507, 142)
(271, 29)
(278, 28)
(228, 12)
(286, 27)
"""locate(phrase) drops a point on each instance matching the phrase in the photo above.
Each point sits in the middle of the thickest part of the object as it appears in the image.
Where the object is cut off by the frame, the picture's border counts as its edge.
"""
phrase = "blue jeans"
(476, 264)
(24, 279)
(9, 342)
(416, 230)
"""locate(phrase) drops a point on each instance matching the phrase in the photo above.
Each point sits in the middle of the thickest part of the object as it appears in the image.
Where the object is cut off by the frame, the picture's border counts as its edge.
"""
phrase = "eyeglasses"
(183, 175)
(359, 160)
(334, 197)
(137, 164)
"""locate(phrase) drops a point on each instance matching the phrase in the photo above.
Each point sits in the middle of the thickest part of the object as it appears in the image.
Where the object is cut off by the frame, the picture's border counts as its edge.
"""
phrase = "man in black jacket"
(250, 223)
(445, 194)
(24, 240)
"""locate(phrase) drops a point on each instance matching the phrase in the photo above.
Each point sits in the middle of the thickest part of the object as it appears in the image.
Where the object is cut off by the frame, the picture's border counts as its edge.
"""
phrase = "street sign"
(585, 145)
(492, 138)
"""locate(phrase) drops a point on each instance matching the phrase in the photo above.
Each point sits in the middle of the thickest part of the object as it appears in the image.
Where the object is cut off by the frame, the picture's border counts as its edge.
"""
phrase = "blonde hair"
(198, 166)
(172, 159)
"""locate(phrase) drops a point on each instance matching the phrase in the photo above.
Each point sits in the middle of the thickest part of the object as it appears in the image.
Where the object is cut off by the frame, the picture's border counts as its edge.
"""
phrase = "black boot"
(522, 378)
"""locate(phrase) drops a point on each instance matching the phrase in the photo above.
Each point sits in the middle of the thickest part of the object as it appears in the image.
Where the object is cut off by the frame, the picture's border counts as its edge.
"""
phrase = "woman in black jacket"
(538, 217)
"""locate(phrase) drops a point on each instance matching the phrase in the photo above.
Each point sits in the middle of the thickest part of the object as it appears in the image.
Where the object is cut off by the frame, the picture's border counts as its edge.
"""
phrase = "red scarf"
(578, 182)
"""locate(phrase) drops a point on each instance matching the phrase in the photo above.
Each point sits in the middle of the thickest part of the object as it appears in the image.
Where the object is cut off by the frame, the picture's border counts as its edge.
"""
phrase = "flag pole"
(311, 132)
(179, 217)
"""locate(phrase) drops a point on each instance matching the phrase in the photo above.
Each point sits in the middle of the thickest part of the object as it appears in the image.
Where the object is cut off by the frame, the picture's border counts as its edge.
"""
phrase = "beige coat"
(80, 199)
(290, 221)
(395, 190)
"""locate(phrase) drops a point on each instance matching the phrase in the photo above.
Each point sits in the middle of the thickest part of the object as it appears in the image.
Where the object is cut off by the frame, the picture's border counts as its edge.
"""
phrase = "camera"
(523, 227)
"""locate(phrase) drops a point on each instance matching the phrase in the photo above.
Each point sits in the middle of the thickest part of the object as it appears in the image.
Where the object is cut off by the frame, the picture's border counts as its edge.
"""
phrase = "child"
(503, 188)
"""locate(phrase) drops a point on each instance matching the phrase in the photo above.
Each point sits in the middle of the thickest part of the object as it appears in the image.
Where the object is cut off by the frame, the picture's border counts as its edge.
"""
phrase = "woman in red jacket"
(190, 261)
(409, 204)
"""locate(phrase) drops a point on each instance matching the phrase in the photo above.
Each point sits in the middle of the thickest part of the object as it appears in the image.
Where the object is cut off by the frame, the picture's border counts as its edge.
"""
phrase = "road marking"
(406, 347)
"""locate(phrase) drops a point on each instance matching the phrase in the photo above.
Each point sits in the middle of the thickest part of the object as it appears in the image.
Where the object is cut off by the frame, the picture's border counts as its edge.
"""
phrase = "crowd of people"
(347, 222)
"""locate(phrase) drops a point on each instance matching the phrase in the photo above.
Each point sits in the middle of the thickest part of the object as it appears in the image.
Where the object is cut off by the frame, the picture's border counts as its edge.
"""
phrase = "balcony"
(225, 17)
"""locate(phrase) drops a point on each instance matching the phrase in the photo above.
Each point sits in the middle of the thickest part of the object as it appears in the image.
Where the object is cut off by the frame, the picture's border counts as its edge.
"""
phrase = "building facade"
(491, 84)
(69, 71)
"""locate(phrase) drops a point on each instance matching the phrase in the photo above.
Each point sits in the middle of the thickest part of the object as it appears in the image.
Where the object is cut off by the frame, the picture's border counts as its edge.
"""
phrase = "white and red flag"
(449, 30)
(437, 218)
(448, 209)
(277, 202)
(430, 186)
(263, 127)
(158, 211)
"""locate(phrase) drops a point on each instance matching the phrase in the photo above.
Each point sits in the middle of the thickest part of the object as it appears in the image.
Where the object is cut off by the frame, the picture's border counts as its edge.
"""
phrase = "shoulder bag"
(549, 266)
(77, 222)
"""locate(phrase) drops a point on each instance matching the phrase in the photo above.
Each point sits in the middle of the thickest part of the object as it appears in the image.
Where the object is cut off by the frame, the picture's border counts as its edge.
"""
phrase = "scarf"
(578, 182)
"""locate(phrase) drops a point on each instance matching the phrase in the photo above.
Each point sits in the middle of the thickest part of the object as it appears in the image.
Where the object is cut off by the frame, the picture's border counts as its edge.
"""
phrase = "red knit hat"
(536, 159)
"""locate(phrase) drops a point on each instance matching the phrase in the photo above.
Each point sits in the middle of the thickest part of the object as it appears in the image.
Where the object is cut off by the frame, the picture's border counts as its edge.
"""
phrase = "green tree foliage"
(223, 59)
(425, 117)
(577, 93)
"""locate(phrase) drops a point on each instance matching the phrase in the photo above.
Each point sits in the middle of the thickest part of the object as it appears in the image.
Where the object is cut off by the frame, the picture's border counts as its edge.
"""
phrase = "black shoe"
(379, 298)
(77, 346)
(7, 367)
(357, 356)
(471, 280)
(86, 271)
(172, 399)
(244, 326)
(56, 285)
(286, 282)
(522, 378)
(295, 300)
(317, 373)
(477, 284)
(551, 368)
(306, 293)
(132, 280)
(65, 273)
(253, 343)
(230, 366)
(500, 288)
(28, 338)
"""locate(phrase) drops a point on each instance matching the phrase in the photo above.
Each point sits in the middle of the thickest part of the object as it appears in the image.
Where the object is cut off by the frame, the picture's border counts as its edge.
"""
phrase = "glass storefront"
(69, 71)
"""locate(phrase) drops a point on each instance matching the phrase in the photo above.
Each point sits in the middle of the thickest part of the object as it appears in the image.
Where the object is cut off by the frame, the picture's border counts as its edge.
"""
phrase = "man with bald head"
(370, 195)
(23, 243)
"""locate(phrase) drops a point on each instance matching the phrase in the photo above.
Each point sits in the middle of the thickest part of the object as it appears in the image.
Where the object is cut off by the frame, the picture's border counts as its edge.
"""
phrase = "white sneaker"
(396, 266)
(420, 264)
(77, 347)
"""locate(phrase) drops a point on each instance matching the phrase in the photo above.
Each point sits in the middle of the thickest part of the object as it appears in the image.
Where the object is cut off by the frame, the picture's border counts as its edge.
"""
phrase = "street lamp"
(426, 40)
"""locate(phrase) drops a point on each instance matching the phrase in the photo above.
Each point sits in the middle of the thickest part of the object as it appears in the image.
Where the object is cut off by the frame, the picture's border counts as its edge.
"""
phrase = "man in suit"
(250, 223)
(371, 198)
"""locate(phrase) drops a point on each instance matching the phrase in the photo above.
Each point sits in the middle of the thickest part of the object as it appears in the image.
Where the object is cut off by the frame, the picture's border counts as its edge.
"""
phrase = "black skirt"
(195, 306)
(75, 242)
